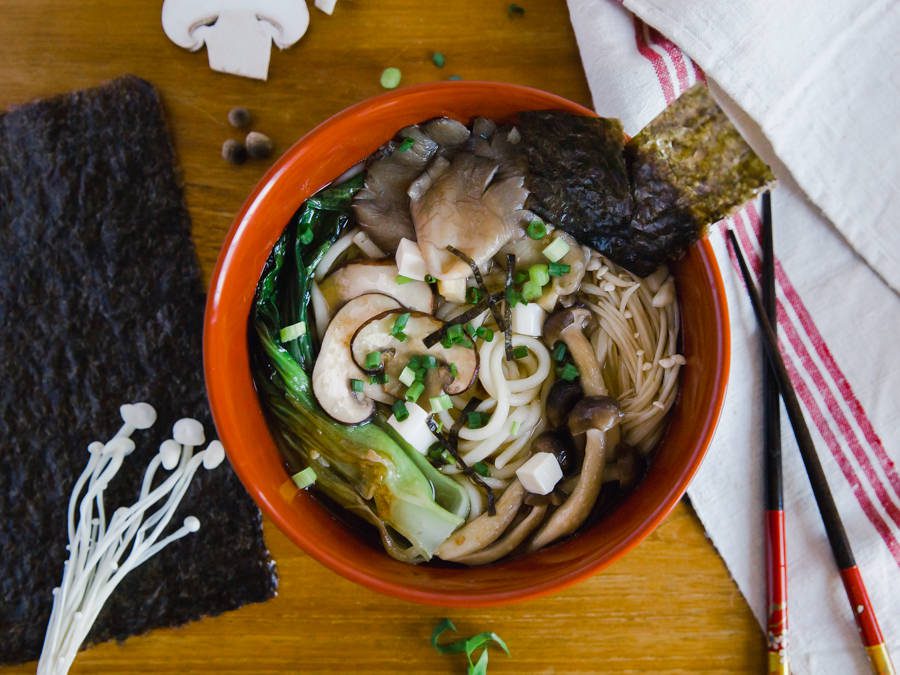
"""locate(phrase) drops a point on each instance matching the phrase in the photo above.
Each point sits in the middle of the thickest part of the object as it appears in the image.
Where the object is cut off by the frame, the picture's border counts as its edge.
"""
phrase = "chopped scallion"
(481, 468)
(474, 295)
(556, 250)
(400, 411)
(485, 333)
(455, 332)
(357, 385)
(454, 371)
(539, 274)
(531, 291)
(520, 277)
(476, 420)
(415, 391)
(399, 324)
(400, 280)
(430, 279)
(520, 352)
(406, 145)
(292, 332)
(536, 229)
(373, 360)
(556, 269)
(438, 59)
(303, 479)
(378, 378)
(559, 351)
(514, 427)
(428, 361)
(439, 403)
(407, 376)
(568, 372)
(390, 78)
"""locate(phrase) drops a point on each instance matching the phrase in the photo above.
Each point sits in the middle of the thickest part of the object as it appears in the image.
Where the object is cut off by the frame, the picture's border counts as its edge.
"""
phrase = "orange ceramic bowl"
(319, 157)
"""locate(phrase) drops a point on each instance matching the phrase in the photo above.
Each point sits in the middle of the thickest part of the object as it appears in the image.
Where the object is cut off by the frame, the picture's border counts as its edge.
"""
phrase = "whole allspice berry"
(234, 151)
(239, 117)
(259, 146)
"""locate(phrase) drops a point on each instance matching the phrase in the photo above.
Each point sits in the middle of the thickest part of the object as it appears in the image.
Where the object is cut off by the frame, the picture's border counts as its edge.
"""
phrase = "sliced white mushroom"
(374, 276)
(238, 34)
(334, 368)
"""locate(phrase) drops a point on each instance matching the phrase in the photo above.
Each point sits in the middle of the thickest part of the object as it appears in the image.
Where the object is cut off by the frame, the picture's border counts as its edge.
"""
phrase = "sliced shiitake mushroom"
(374, 276)
(334, 368)
(379, 335)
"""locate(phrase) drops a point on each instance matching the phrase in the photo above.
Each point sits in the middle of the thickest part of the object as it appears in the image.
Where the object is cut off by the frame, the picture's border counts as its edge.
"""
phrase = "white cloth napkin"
(831, 121)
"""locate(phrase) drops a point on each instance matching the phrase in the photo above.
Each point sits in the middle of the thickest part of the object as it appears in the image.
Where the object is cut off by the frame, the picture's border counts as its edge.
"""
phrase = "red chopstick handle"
(776, 584)
(866, 622)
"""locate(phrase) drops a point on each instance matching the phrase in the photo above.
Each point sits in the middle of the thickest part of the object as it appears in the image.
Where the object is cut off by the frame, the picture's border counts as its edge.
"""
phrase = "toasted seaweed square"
(101, 302)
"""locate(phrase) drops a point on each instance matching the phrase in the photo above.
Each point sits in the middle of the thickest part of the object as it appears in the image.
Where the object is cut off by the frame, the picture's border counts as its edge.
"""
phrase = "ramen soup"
(443, 351)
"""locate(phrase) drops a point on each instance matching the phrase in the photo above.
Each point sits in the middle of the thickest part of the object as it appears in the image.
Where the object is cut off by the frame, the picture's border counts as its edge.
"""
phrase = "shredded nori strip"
(433, 338)
(450, 446)
(492, 302)
(507, 308)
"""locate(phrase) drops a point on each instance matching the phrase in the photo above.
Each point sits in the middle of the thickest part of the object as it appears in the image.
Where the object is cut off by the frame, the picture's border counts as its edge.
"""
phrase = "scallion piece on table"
(390, 78)
(292, 332)
(438, 59)
(555, 250)
(469, 646)
(303, 479)
(536, 229)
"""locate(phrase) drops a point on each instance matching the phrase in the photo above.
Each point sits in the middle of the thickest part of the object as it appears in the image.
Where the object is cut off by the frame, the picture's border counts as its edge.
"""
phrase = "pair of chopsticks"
(777, 380)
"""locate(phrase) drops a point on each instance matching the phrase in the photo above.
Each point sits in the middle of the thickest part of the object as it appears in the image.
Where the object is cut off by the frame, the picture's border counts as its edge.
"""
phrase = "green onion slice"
(292, 332)
(303, 479)
(400, 410)
(536, 229)
(556, 250)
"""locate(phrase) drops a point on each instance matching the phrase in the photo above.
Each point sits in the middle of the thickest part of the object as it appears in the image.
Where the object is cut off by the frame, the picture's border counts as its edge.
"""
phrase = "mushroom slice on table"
(597, 417)
(466, 208)
(380, 334)
(569, 325)
(374, 276)
(508, 543)
(485, 529)
(238, 34)
(334, 368)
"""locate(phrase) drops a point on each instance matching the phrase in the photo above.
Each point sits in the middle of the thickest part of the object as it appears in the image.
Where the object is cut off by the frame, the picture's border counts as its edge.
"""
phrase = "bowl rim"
(347, 569)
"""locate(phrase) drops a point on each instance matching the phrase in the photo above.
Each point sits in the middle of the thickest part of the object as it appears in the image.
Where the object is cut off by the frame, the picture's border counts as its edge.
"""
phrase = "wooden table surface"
(669, 606)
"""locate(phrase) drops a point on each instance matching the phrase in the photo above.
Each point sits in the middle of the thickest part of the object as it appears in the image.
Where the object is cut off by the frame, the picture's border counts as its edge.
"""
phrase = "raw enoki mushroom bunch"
(101, 551)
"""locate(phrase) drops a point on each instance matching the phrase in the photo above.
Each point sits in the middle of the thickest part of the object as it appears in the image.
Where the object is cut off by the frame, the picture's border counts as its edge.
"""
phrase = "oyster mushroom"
(508, 543)
(377, 335)
(466, 208)
(374, 276)
(238, 35)
(485, 529)
(334, 368)
(597, 418)
(568, 325)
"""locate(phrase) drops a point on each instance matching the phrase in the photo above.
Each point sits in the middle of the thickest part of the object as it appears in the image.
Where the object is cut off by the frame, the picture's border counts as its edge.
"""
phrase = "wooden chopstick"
(776, 554)
(860, 606)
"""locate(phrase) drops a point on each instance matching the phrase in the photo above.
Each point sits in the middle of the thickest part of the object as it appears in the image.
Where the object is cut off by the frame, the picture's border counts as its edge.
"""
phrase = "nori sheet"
(101, 302)
(688, 168)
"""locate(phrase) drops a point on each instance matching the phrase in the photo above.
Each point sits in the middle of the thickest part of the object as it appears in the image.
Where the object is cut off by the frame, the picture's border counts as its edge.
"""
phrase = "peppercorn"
(234, 151)
(259, 146)
(239, 117)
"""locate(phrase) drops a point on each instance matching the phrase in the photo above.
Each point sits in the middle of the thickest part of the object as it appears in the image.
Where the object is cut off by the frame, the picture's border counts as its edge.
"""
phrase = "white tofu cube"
(414, 429)
(453, 290)
(528, 319)
(540, 474)
(410, 262)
